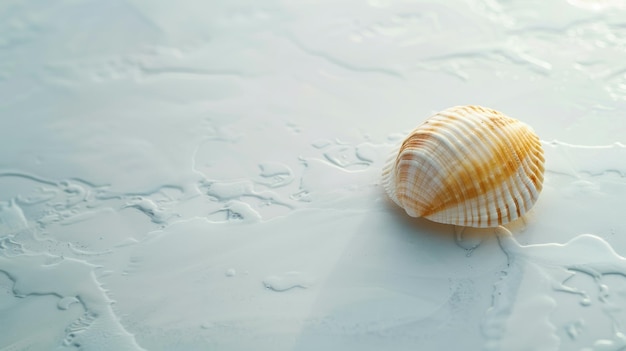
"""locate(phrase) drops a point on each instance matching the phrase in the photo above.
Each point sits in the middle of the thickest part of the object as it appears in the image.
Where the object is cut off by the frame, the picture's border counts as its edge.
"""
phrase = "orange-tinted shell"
(468, 166)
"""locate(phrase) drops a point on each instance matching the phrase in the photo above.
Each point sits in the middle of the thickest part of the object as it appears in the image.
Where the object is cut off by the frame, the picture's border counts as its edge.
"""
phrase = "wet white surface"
(198, 176)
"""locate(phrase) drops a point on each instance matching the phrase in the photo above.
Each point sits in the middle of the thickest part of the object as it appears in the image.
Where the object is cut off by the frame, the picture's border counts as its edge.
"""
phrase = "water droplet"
(241, 211)
(302, 195)
(150, 209)
(321, 143)
(538, 272)
(603, 292)
(470, 238)
(287, 281)
(573, 329)
(235, 211)
(344, 156)
(224, 191)
(618, 343)
(66, 302)
(12, 217)
(275, 175)
(9, 247)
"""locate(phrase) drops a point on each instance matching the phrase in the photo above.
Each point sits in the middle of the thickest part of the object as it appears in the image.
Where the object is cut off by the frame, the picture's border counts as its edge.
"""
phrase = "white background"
(204, 175)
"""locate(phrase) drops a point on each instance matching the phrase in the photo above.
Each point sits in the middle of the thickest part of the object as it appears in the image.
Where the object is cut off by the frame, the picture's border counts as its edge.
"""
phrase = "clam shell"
(468, 166)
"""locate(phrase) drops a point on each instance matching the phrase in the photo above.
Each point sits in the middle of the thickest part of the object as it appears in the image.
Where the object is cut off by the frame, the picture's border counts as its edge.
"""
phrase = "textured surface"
(468, 166)
(205, 175)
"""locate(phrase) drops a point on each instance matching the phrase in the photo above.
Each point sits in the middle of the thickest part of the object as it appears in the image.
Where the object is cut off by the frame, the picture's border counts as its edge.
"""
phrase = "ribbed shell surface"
(468, 166)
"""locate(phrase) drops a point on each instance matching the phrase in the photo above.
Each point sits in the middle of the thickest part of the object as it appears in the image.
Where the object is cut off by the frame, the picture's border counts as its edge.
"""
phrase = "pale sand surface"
(205, 175)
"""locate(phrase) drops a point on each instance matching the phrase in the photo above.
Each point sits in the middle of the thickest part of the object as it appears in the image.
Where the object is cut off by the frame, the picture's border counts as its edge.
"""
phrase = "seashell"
(468, 166)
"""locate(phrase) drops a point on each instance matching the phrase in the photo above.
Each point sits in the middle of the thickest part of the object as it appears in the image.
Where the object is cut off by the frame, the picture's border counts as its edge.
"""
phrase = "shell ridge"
(430, 171)
(388, 175)
(486, 182)
(525, 169)
(474, 202)
(452, 193)
(503, 157)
